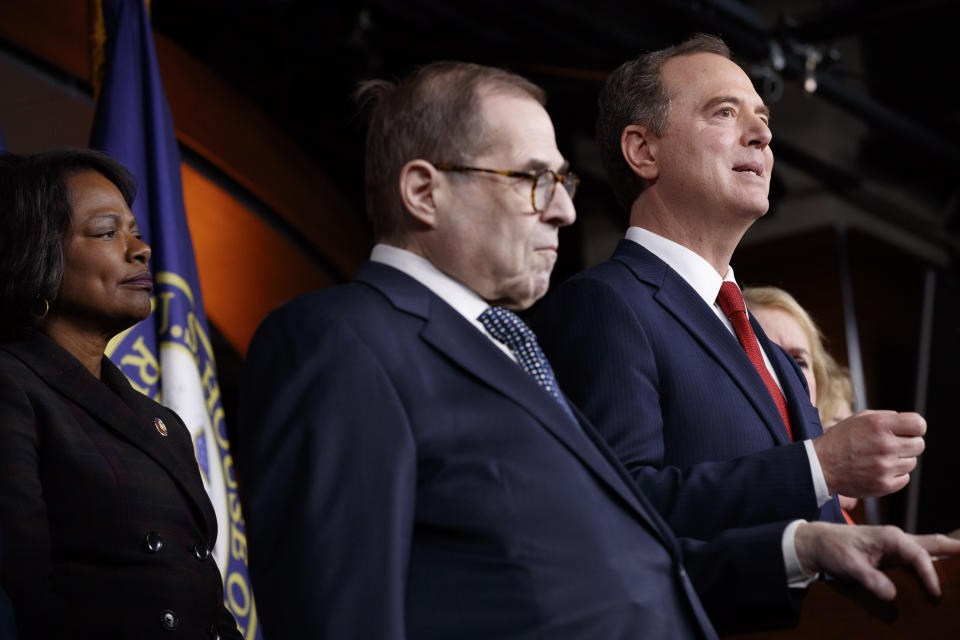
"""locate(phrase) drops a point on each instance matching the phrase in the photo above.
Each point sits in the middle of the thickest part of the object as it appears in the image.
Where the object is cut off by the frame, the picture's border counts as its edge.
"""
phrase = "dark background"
(865, 198)
(865, 186)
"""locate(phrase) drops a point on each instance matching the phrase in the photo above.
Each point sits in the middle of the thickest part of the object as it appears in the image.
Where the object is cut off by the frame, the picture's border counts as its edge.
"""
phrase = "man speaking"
(655, 345)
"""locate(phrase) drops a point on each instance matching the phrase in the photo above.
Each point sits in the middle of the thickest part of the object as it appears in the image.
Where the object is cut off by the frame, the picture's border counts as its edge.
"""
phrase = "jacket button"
(153, 542)
(201, 550)
(214, 634)
(169, 620)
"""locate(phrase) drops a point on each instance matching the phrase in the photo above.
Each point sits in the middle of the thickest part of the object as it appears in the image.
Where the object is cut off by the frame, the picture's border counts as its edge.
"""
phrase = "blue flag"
(3, 144)
(169, 355)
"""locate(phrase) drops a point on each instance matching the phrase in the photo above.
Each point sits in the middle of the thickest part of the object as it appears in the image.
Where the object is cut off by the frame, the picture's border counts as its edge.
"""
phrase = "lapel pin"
(162, 428)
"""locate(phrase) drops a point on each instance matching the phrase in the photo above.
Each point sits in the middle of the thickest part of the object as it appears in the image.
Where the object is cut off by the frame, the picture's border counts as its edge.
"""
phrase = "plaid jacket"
(107, 528)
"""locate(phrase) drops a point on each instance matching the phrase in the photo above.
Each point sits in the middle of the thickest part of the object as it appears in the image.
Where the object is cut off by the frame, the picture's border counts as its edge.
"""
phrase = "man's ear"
(635, 144)
(419, 183)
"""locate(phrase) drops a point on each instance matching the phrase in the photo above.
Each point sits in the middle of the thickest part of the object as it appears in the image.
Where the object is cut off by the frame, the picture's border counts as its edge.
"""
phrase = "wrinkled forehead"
(699, 77)
(519, 132)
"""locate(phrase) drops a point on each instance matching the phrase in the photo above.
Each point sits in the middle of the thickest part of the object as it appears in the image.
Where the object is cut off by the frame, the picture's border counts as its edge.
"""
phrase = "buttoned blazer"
(677, 398)
(85, 477)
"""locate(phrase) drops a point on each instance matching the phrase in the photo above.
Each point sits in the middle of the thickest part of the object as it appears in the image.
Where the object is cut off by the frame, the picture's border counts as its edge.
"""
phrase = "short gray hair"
(432, 114)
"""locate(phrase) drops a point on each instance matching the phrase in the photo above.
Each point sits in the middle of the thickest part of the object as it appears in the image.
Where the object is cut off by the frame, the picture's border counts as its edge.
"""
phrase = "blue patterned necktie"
(508, 328)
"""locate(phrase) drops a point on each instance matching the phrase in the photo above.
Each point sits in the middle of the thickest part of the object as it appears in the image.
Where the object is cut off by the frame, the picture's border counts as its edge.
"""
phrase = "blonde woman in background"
(836, 400)
(790, 326)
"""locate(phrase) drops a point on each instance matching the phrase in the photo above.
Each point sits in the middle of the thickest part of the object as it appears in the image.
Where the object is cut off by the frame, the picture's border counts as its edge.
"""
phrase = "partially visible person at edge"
(836, 401)
(107, 529)
(8, 629)
(790, 326)
(836, 405)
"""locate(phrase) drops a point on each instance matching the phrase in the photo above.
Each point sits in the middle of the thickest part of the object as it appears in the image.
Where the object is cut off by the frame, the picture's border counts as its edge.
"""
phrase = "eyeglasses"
(543, 183)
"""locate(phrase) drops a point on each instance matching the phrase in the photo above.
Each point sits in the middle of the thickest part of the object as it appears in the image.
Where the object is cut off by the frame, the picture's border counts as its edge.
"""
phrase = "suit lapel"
(451, 334)
(175, 452)
(122, 410)
(682, 302)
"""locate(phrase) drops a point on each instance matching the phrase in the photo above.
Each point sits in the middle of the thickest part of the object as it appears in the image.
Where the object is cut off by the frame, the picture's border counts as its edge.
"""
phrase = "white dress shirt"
(462, 298)
(467, 303)
(704, 279)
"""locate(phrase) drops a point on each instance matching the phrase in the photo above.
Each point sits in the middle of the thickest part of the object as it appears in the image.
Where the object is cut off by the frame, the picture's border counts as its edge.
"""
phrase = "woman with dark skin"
(107, 529)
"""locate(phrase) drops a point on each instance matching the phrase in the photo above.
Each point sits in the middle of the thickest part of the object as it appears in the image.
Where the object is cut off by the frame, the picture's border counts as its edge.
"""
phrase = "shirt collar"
(463, 299)
(696, 271)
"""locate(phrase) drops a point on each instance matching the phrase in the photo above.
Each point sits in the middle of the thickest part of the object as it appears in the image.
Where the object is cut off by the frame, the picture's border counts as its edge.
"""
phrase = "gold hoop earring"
(46, 306)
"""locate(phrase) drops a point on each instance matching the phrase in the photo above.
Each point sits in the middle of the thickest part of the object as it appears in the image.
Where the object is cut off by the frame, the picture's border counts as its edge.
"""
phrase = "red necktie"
(731, 302)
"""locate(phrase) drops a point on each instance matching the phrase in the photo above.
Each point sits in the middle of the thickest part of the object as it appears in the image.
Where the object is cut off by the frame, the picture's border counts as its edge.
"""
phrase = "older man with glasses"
(409, 466)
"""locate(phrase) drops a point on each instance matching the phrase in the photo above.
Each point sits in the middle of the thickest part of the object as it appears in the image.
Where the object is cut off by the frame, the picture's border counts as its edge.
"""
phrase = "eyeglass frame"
(533, 177)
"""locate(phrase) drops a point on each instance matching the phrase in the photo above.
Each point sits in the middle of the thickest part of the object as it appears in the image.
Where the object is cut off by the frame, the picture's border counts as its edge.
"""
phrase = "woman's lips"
(142, 280)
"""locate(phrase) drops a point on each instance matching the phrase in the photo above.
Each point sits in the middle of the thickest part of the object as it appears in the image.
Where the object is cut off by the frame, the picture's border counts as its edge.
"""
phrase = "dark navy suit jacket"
(675, 395)
(85, 478)
(403, 478)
